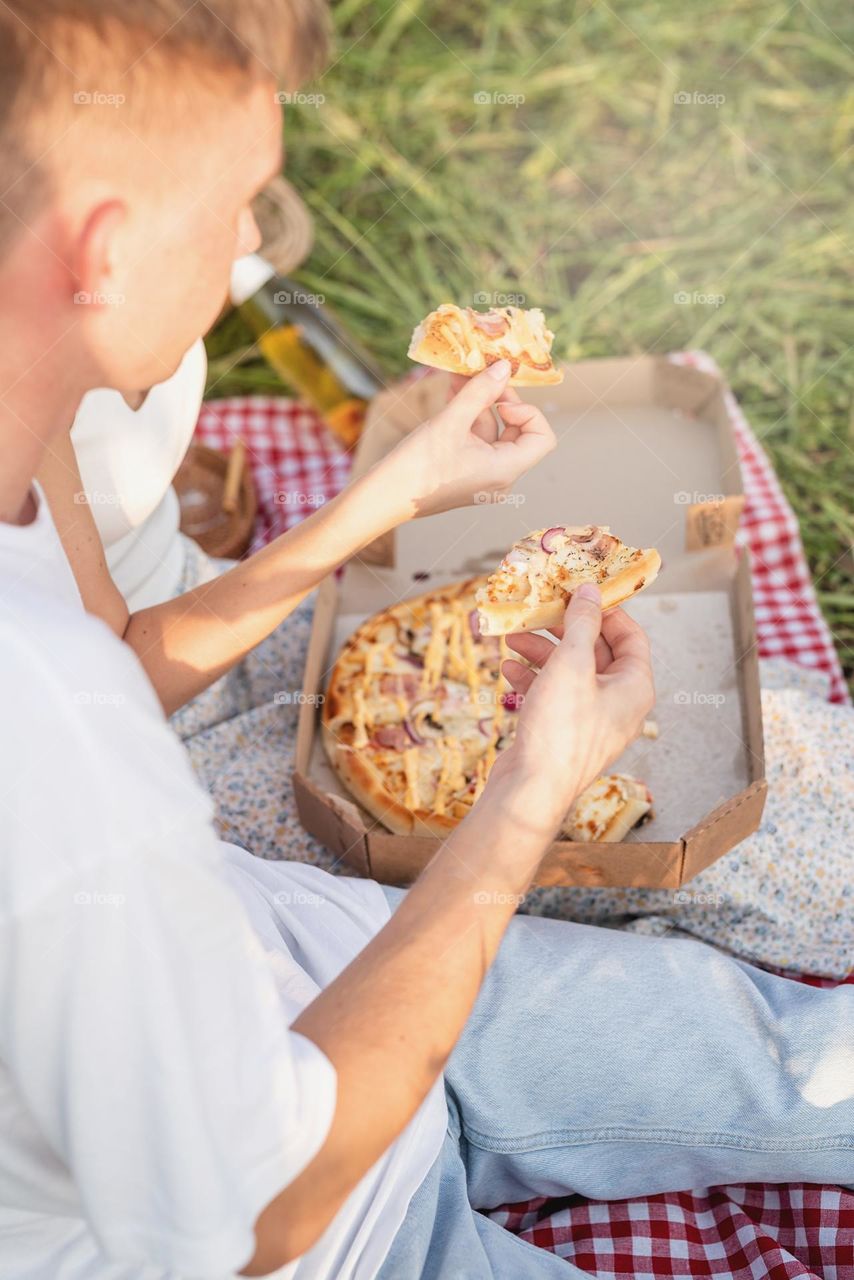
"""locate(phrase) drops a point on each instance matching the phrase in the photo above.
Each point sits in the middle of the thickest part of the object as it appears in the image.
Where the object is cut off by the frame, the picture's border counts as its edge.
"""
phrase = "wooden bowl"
(199, 484)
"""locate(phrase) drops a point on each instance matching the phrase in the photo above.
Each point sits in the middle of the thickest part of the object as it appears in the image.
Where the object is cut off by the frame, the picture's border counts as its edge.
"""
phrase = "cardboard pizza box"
(646, 447)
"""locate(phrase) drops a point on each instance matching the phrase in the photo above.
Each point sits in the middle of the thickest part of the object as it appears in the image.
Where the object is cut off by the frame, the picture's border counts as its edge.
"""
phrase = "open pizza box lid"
(645, 446)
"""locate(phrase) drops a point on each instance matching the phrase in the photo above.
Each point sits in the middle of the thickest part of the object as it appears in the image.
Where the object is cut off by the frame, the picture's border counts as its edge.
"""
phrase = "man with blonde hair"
(211, 1064)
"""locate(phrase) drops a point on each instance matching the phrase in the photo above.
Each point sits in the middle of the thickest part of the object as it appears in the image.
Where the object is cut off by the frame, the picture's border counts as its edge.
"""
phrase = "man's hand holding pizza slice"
(584, 700)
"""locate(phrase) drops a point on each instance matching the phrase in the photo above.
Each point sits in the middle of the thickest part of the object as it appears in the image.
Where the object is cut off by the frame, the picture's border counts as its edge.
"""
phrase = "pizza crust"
(462, 340)
(366, 785)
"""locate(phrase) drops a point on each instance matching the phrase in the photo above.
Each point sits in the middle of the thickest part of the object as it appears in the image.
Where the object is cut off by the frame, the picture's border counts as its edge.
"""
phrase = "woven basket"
(199, 484)
(286, 226)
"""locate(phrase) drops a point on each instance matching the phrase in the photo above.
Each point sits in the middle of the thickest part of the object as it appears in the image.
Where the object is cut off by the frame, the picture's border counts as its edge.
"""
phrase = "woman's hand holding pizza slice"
(469, 453)
(461, 456)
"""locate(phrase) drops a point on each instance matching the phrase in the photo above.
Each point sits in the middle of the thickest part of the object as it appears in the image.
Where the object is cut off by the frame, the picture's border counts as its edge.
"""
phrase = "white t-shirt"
(128, 459)
(152, 1097)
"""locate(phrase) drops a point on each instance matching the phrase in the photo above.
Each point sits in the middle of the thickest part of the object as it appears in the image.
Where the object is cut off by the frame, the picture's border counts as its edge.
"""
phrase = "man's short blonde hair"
(53, 53)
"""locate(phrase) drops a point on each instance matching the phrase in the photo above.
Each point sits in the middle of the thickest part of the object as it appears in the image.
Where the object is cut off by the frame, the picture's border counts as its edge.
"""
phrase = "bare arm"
(390, 1021)
(59, 476)
(187, 643)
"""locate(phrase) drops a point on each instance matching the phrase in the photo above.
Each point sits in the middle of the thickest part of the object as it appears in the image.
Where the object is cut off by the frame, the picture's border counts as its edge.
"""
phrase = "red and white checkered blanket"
(789, 623)
(743, 1232)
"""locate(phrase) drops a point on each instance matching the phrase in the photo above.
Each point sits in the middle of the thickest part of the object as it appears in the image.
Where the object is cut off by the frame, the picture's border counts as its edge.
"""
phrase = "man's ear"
(94, 257)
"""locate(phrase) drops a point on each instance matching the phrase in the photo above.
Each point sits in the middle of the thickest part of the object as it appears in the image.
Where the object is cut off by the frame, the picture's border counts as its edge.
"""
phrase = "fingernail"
(499, 370)
(589, 591)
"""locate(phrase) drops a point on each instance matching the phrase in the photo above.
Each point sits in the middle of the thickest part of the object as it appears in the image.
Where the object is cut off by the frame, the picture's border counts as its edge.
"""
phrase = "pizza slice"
(608, 809)
(530, 588)
(462, 340)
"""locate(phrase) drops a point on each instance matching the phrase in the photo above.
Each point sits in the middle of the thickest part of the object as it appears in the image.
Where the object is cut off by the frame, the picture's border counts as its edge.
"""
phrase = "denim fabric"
(615, 1065)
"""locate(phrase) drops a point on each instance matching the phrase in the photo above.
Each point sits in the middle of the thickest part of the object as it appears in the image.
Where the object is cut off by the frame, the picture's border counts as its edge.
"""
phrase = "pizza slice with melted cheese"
(608, 809)
(531, 587)
(462, 340)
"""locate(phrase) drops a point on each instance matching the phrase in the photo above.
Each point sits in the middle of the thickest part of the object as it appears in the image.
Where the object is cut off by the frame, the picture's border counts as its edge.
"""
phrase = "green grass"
(600, 198)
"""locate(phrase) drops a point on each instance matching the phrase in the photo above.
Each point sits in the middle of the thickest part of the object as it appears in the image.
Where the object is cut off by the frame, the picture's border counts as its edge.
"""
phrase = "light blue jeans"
(614, 1065)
